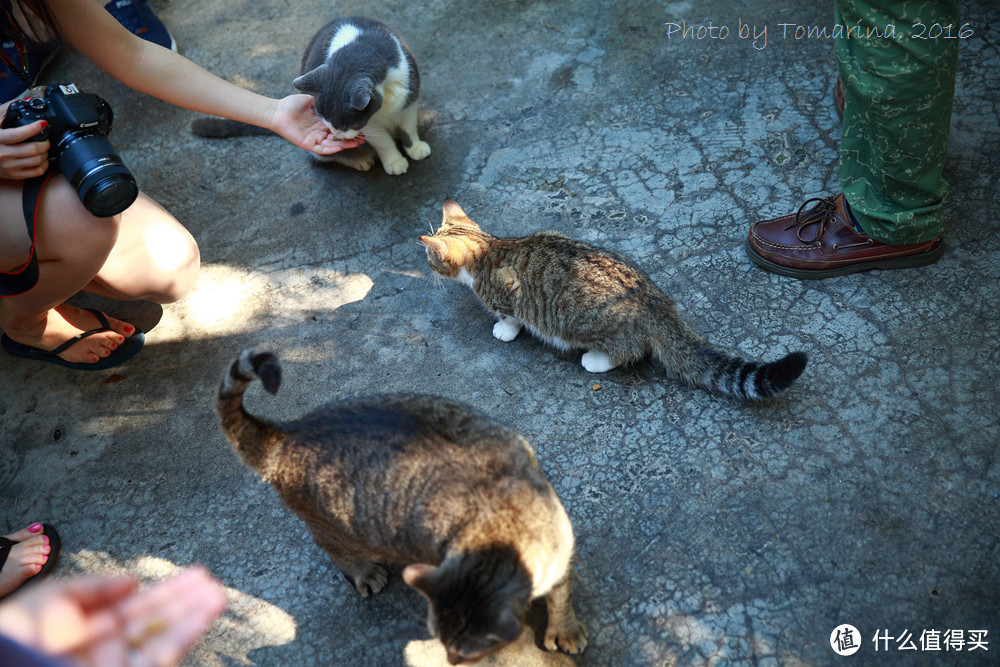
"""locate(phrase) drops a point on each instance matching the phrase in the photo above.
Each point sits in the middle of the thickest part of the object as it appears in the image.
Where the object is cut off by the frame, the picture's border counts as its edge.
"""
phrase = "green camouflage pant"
(898, 98)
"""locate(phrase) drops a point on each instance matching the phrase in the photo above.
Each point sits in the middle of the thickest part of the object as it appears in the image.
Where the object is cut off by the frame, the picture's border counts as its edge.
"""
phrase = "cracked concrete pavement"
(709, 532)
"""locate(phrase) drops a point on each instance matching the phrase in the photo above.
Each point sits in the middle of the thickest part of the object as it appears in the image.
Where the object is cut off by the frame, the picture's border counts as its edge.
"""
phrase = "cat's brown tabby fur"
(573, 295)
(423, 482)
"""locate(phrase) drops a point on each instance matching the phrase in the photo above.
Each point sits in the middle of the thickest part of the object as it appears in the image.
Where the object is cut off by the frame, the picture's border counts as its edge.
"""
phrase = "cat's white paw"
(396, 166)
(506, 331)
(419, 150)
(596, 361)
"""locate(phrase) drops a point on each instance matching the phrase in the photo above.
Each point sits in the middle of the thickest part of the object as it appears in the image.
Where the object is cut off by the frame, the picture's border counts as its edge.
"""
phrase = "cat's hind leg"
(507, 328)
(412, 144)
(361, 158)
(597, 361)
(564, 630)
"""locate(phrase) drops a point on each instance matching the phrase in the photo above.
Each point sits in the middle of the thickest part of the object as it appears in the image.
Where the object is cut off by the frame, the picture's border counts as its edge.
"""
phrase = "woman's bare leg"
(155, 257)
(142, 253)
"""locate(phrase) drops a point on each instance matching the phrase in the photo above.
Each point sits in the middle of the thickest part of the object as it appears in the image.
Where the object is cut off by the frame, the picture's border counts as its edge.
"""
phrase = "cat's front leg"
(412, 144)
(368, 577)
(507, 328)
(385, 145)
(564, 631)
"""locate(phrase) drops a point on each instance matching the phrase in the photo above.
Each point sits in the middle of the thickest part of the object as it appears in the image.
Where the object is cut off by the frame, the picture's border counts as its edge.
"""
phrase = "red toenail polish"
(34, 528)
(129, 328)
(46, 549)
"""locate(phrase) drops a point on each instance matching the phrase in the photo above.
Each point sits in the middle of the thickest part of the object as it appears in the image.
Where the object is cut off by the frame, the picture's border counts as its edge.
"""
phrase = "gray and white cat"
(573, 296)
(426, 483)
(365, 81)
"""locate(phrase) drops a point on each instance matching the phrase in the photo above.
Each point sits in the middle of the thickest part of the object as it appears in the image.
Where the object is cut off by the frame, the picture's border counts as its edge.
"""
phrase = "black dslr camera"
(78, 124)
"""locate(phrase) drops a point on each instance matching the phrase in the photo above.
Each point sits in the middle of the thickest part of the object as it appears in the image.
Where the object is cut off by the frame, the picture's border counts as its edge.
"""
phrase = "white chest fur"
(548, 568)
(465, 277)
(396, 87)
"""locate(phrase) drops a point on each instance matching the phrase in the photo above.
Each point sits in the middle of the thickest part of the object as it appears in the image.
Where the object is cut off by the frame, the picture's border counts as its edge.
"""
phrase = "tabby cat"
(365, 82)
(573, 295)
(427, 483)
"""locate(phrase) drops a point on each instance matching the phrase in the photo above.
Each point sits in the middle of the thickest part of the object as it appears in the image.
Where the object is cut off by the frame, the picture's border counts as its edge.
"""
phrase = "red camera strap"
(16, 37)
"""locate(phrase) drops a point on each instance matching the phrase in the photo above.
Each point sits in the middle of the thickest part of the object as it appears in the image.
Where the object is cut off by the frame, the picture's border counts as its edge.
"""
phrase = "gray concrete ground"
(709, 532)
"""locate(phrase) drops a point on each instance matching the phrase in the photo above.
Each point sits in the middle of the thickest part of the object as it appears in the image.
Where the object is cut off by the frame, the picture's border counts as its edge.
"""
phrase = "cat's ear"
(421, 577)
(451, 209)
(507, 627)
(308, 83)
(438, 246)
(361, 94)
(453, 212)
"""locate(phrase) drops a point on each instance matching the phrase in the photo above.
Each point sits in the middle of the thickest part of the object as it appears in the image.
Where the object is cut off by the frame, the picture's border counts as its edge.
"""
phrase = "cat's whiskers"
(430, 225)
(435, 276)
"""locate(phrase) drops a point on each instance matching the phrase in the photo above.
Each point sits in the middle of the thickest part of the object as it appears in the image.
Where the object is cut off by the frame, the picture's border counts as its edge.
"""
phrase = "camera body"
(78, 124)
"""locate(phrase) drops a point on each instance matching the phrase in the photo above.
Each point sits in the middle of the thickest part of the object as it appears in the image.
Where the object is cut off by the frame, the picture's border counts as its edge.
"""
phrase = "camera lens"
(105, 185)
(109, 195)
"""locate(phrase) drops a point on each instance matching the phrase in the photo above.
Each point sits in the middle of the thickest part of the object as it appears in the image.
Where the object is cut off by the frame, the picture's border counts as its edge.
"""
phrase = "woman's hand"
(105, 622)
(295, 119)
(20, 158)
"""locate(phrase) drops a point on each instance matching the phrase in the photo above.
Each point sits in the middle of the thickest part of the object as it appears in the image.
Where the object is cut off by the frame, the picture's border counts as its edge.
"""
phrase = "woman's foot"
(25, 557)
(65, 322)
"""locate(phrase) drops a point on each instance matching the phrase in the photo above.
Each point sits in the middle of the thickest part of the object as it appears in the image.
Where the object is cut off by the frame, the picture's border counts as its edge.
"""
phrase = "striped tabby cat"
(573, 295)
(423, 482)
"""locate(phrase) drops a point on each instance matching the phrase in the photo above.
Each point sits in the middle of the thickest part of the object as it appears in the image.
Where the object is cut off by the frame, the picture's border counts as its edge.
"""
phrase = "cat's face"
(457, 243)
(345, 105)
(469, 619)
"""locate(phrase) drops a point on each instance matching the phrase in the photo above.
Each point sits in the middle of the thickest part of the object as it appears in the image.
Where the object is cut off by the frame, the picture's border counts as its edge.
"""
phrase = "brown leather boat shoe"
(821, 242)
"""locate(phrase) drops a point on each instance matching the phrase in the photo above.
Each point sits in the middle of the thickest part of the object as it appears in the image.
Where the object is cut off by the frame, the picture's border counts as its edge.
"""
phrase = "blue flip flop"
(125, 351)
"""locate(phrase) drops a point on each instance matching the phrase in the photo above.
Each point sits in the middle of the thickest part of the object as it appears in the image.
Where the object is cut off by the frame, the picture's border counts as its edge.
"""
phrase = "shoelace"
(822, 214)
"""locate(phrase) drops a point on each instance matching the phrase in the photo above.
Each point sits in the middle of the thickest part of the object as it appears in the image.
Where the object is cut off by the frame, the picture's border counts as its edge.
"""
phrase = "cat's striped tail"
(250, 435)
(698, 363)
